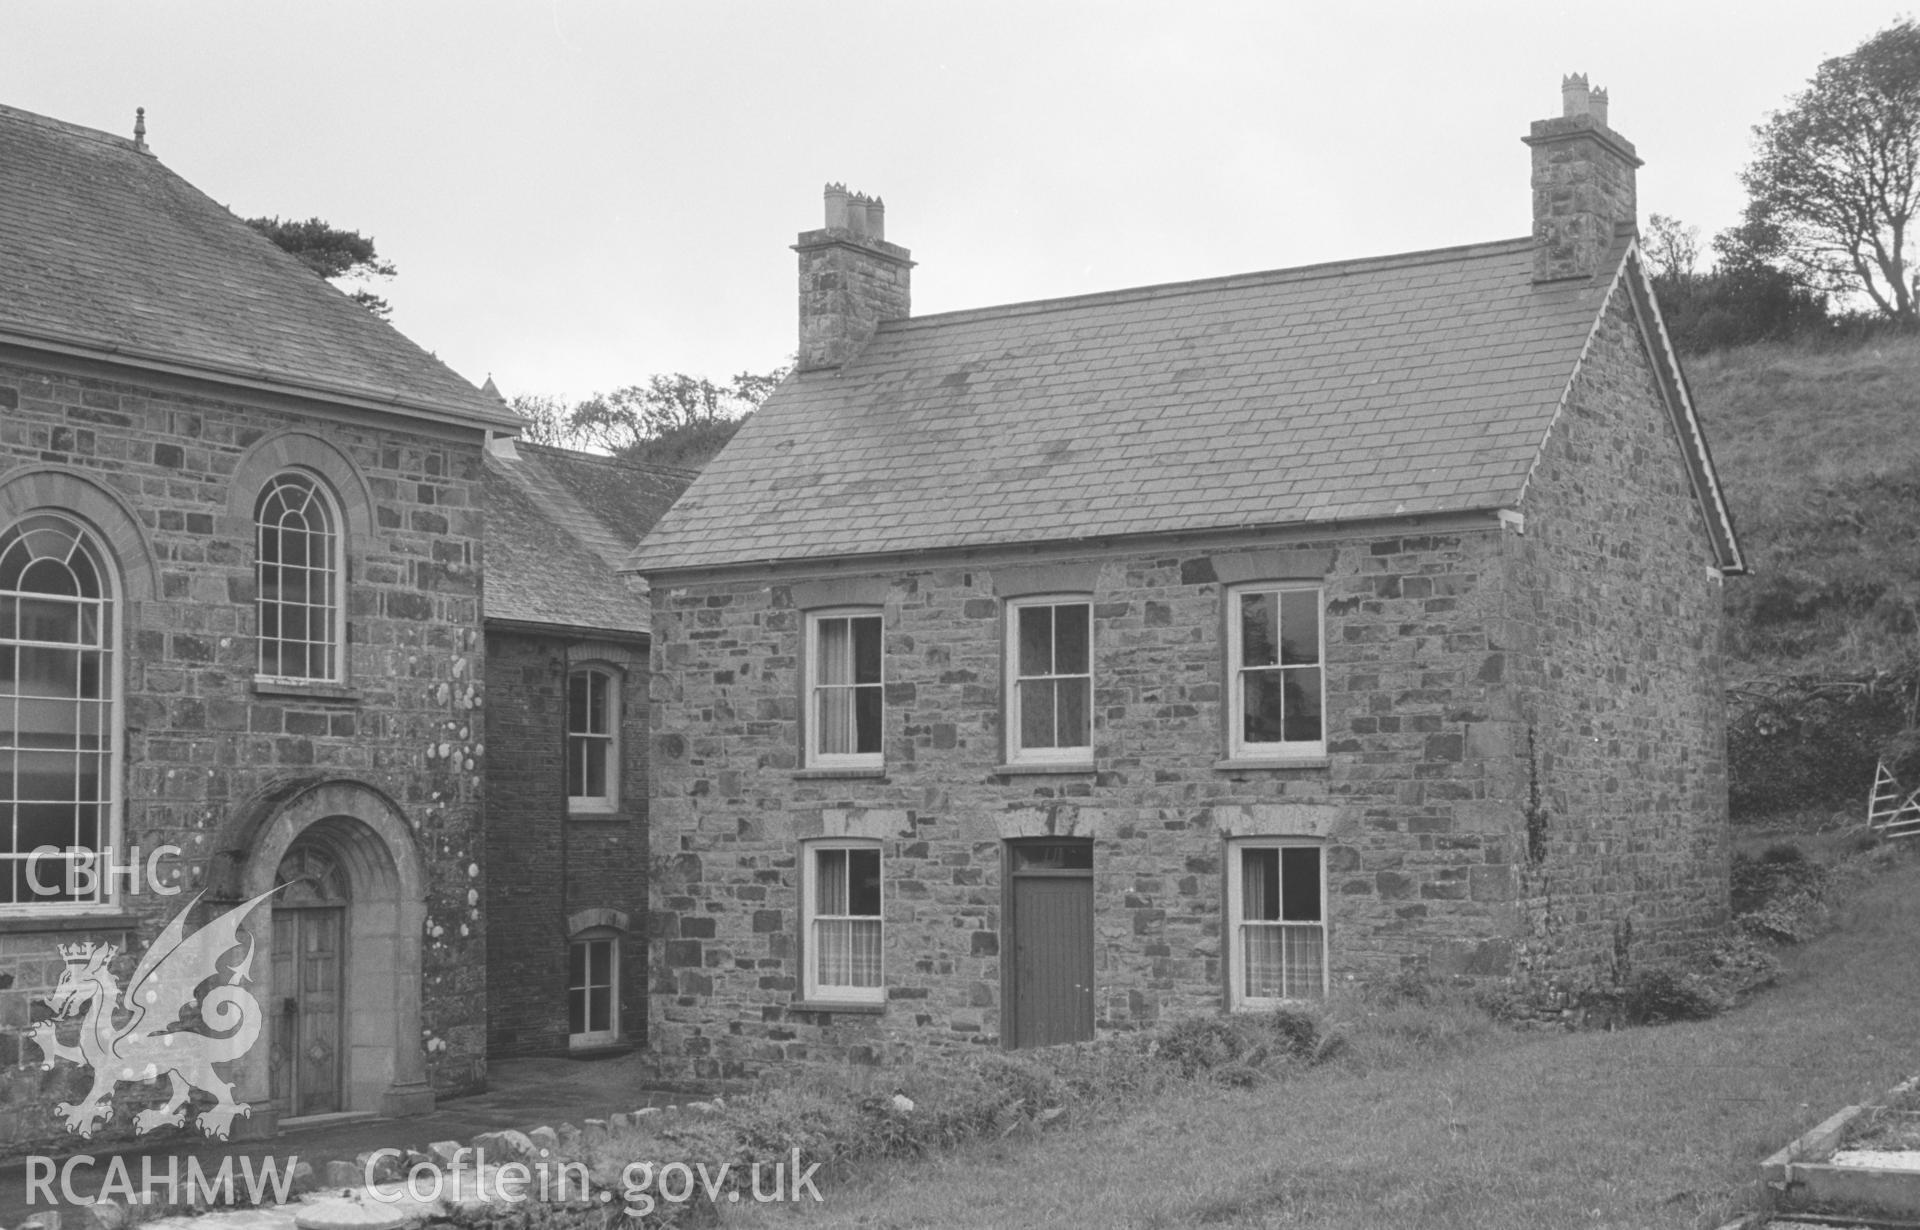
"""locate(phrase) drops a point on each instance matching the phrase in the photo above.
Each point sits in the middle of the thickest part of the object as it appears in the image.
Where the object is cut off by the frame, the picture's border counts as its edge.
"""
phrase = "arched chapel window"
(299, 569)
(59, 739)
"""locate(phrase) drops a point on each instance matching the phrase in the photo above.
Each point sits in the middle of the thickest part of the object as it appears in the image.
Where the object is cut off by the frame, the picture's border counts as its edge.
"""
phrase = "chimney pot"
(1574, 98)
(851, 280)
(1597, 106)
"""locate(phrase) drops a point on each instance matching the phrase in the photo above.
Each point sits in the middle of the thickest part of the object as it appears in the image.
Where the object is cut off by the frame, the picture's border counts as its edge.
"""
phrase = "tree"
(1832, 189)
(1737, 302)
(1672, 249)
(546, 419)
(671, 419)
(332, 253)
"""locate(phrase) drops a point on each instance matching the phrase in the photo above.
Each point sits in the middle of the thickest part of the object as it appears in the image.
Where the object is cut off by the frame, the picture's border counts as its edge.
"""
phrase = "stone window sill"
(599, 817)
(1015, 770)
(1266, 764)
(14, 924)
(305, 689)
(805, 775)
(868, 1008)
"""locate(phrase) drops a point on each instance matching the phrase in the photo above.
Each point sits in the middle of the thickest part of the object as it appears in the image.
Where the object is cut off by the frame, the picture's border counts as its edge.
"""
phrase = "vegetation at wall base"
(854, 1120)
(1430, 1115)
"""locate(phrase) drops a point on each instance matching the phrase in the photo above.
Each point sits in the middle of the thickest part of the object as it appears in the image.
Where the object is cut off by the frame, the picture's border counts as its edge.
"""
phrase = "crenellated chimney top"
(1583, 185)
(851, 279)
(1574, 95)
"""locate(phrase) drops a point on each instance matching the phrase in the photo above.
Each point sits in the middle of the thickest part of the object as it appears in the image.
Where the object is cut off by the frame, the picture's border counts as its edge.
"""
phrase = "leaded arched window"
(298, 573)
(58, 734)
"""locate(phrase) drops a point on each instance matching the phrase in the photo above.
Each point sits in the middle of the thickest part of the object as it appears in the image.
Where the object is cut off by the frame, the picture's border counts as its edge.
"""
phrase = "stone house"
(1032, 671)
(567, 733)
(240, 641)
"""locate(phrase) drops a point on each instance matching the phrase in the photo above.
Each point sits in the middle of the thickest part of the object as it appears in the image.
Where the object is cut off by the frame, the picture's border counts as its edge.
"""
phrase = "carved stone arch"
(300, 450)
(367, 834)
(58, 489)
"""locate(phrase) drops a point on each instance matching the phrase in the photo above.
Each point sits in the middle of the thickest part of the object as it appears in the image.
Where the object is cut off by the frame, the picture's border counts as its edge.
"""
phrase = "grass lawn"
(1480, 1129)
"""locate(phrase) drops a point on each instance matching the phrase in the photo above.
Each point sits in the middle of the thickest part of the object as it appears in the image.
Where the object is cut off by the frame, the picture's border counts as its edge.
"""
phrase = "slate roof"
(106, 253)
(1420, 383)
(559, 525)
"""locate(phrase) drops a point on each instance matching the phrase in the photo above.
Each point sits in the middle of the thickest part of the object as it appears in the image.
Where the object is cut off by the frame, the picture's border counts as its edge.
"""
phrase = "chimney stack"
(1583, 185)
(851, 279)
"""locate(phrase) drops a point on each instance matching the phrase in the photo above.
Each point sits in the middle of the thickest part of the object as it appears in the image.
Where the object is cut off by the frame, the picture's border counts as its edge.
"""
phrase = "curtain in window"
(846, 928)
(836, 702)
(846, 677)
(1280, 931)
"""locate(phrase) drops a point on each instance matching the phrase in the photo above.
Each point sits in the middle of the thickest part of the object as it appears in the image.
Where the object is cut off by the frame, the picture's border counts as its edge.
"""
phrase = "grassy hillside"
(1819, 452)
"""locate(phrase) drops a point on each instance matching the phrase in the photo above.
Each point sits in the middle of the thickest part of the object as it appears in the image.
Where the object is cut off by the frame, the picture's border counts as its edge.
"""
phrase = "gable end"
(1686, 424)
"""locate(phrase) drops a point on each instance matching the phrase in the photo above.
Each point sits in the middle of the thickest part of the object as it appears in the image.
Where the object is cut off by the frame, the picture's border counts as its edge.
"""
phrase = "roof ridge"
(606, 459)
(1157, 290)
(78, 130)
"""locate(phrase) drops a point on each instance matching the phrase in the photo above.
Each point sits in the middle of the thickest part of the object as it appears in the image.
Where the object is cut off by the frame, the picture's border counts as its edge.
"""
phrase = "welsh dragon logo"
(145, 1043)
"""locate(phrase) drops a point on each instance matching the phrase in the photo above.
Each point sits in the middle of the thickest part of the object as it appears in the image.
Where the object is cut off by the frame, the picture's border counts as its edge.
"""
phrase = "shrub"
(1656, 996)
(1739, 965)
(1781, 874)
(1200, 1044)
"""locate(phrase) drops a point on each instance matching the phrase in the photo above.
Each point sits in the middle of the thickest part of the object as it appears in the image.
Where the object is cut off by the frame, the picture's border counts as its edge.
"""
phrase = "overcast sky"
(580, 194)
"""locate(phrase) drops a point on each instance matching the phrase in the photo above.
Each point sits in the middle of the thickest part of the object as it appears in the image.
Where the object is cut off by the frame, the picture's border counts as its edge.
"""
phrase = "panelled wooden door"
(1051, 986)
(307, 1033)
(309, 929)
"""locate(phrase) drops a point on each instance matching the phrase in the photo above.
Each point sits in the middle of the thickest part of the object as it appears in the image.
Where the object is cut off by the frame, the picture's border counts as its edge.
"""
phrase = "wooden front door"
(1050, 987)
(309, 928)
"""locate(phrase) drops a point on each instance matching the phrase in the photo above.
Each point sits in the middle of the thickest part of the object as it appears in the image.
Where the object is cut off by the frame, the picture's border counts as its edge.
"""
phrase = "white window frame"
(1236, 924)
(813, 989)
(591, 1038)
(1238, 746)
(812, 719)
(111, 620)
(577, 740)
(336, 571)
(1081, 753)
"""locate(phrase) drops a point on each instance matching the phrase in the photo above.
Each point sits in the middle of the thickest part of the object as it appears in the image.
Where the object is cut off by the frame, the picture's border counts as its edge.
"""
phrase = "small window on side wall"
(1049, 680)
(298, 571)
(1276, 684)
(841, 923)
(593, 991)
(593, 740)
(1276, 921)
(845, 706)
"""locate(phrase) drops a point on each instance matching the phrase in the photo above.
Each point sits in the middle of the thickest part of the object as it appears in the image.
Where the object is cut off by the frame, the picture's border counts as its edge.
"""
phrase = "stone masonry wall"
(1422, 786)
(1617, 624)
(201, 739)
(531, 841)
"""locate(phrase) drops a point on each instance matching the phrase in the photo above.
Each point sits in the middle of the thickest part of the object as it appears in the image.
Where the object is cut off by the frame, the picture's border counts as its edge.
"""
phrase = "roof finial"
(139, 128)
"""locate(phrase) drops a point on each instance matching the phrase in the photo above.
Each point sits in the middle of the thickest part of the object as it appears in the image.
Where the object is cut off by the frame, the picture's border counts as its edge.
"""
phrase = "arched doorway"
(345, 986)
